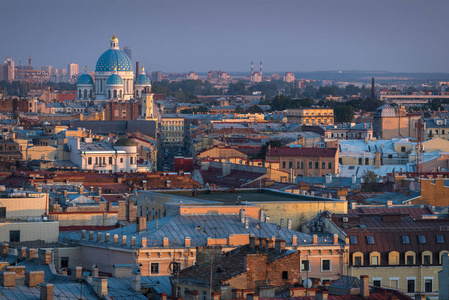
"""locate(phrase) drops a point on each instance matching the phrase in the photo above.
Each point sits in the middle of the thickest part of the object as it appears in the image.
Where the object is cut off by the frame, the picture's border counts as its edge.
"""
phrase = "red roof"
(297, 151)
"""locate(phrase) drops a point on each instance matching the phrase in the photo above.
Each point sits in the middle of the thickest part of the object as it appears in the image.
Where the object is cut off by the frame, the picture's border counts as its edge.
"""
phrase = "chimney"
(133, 241)
(246, 222)
(364, 286)
(107, 237)
(242, 215)
(141, 224)
(165, 242)
(321, 295)
(252, 242)
(260, 69)
(354, 179)
(99, 236)
(46, 291)
(8, 279)
(252, 67)
(76, 273)
(261, 216)
(21, 253)
(31, 254)
(144, 242)
(289, 223)
(137, 69)
(91, 235)
(163, 296)
(267, 219)
(135, 284)
(335, 239)
(123, 240)
(44, 256)
(279, 245)
(294, 240)
(377, 160)
(216, 296)
(100, 286)
(115, 239)
(83, 234)
(99, 190)
(94, 271)
(373, 88)
(5, 249)
(315, 239)
(187, 241)
(225, 168)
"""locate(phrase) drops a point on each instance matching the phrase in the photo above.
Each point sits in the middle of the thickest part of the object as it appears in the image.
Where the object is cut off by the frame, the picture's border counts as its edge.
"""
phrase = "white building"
(104, 157)
(72, 71)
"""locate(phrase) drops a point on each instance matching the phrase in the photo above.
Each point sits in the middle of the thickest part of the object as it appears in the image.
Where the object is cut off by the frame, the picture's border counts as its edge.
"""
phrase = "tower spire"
(114, 42)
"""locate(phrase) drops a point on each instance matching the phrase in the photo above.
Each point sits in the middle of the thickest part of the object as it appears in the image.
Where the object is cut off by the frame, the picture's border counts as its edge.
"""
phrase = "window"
(377, 282)
(298, 164)
(422, 239)
(405, 239)
(440, 239)
(290, 164)
(131, 160)
(410, 285)
(360, 161)
(96, 160)
(325, 265)
(154, 268)
(428, 285)
(204, 296)
(353, 240)
(443, 132)
(302, 165)
(14, 236)
(370, 240)
(284, 275)
(64, 262)
(110, 160)
(323, 165)
(402, 149)
(366, 161)
(121, 159)
(357, 261)
(283, 164)
(316, 165)
(390, 155)
(374, 260)
(426, 260)
(329, 165)
(2, 212)
(305, 265)
(310, 165)
(409, 260)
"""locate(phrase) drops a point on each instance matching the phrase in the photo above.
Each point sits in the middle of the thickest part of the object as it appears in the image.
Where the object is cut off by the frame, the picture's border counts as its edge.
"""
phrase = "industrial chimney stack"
(373, 88)
(260, 69)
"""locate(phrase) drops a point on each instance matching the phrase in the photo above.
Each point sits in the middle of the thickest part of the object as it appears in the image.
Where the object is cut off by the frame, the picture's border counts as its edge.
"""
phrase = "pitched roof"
(297, 151)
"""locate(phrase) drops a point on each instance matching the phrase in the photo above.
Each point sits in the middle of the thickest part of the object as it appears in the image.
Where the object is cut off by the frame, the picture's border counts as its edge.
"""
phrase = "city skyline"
(174, 36)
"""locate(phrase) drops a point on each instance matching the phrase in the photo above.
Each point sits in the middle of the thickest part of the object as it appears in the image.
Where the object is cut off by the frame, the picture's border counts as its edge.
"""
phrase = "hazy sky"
(185, 35)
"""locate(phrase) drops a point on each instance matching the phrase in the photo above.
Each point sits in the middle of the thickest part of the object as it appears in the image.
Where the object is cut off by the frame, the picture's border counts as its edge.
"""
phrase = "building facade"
(311, 116)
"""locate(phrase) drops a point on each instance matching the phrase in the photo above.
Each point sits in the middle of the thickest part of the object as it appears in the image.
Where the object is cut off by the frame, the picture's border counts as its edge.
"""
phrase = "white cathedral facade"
(114, 78)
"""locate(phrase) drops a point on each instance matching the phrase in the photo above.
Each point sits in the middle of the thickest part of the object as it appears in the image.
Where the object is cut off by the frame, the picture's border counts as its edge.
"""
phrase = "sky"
(203, 35)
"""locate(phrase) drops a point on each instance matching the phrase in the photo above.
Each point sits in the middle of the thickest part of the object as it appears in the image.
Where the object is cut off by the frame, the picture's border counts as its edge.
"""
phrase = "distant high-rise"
(156, 76)
(9, 70)
(72, 71)
(128, 51)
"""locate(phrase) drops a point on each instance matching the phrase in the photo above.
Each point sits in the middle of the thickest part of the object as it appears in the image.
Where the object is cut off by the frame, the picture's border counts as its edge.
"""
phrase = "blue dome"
(85, 79)
(114, 79)
(114, 58)
(143, 79)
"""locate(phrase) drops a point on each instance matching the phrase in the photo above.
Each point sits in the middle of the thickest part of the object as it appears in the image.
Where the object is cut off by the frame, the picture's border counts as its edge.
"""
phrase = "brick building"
(115, 111)
(258, 265)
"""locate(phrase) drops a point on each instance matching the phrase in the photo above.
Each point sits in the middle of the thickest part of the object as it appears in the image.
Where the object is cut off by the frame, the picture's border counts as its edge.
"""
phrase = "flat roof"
(250, 195)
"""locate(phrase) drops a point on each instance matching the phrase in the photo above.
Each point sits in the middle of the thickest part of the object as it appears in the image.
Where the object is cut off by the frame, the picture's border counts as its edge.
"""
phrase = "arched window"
(85, 94)
(357, 259)
(393, 258)
(91, 94)
(120, 93)
(374, 258)
(79, 94)
(410, 258)
(109, 94)
(115, 94)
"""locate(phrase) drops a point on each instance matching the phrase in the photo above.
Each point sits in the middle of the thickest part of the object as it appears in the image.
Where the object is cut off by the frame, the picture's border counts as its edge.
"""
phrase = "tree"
(370, 182)
(344, 113)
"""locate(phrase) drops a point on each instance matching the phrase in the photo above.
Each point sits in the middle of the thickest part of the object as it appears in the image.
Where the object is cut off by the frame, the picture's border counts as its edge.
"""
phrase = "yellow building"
(311, 116)
(172, 131)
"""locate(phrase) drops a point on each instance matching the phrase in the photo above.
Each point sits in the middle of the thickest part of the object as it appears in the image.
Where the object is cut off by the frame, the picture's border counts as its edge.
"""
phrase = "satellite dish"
(307, 283)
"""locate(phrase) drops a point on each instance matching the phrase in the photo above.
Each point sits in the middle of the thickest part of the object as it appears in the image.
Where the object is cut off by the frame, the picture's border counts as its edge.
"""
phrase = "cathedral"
(114, 78)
